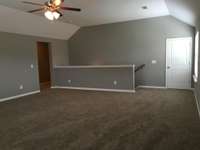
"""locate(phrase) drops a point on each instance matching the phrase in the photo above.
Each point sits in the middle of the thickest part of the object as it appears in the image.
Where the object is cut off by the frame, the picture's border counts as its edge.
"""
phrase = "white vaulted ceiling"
(95, 12)
(186, 10)
(15, 19)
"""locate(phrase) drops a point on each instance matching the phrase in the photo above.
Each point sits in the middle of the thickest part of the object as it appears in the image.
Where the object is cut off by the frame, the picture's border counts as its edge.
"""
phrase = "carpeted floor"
(85, 120)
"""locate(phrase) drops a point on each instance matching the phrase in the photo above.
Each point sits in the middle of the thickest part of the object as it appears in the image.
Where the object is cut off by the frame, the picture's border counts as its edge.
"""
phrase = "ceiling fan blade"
(70, 8)
(35, 10)
(32, 3)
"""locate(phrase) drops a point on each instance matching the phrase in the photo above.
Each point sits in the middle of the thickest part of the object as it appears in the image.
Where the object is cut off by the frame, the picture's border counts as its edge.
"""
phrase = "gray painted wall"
(133, 42)
(95, 78)
(17, 53)
(59, 52)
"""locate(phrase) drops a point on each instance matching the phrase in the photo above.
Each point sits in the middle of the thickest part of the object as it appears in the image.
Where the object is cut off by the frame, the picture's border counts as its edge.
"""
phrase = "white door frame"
(166, 82)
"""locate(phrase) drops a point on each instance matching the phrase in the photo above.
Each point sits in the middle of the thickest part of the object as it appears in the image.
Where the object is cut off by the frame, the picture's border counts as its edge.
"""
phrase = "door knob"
(168, 67)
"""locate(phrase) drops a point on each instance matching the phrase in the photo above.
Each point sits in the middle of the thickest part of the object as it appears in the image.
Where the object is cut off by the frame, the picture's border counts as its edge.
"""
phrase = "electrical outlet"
(32, 66)
(115, 82)
(69, 81)
(21, 87)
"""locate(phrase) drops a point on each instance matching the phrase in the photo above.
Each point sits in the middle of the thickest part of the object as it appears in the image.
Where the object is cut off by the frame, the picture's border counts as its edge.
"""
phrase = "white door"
(178, 63)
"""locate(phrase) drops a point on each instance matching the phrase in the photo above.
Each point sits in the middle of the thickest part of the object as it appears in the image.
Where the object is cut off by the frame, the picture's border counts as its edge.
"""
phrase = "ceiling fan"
(52, 8)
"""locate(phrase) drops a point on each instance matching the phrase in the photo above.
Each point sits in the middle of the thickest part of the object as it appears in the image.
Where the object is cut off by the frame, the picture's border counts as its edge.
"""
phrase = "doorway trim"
(166, 50)
(50, 62)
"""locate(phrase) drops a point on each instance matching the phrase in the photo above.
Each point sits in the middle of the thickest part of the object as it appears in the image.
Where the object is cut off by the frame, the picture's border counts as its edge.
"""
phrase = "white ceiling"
(95, 12)
(16, 21)
(14, 18)
(186, 10)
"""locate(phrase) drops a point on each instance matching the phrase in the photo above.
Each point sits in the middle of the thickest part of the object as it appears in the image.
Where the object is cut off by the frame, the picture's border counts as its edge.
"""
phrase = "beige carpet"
(84, 120)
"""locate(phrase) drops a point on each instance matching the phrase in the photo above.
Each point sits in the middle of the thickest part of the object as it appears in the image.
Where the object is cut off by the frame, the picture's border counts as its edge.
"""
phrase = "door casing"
(191, 52)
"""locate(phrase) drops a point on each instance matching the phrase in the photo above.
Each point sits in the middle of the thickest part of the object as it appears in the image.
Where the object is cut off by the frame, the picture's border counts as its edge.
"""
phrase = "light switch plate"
(154, 62)
(21, 87)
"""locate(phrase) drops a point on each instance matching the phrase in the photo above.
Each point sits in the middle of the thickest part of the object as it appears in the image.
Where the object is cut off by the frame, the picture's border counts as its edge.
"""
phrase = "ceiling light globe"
(49, 15)
(56, 15)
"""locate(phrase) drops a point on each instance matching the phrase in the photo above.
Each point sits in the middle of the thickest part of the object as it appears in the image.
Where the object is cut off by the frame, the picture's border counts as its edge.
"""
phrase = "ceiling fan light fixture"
(52, 15)
(49, 15)
(52, 8)
(56, 15)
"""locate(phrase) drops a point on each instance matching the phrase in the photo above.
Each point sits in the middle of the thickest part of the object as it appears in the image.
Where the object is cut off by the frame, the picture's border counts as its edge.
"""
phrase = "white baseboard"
(160, 87)
(197, 103)
(151, 87)
(18, 96)
(93, 89)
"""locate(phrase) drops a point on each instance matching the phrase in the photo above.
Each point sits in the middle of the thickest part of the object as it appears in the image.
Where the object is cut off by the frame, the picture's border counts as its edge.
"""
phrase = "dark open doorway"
(44, 65)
